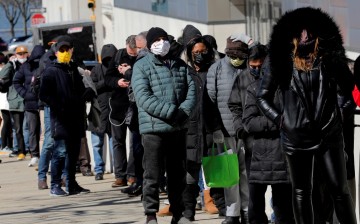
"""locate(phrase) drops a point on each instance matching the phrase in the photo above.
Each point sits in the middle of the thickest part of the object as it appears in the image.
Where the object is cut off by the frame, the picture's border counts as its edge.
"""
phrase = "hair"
(131, 41)
(211, 39)
(141, 35)
(304, 64)
(191, 45)
(257, 52)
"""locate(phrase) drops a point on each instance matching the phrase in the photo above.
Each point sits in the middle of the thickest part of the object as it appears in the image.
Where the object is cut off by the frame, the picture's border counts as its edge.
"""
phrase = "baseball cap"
(21, 49)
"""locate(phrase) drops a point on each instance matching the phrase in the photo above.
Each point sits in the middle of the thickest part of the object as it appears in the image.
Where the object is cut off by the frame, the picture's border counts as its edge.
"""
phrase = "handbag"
(221, 170)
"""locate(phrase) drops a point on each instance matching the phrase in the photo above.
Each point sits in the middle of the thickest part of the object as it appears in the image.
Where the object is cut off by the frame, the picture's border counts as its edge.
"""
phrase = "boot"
(231, 220)
(209, 203)
(244, 217)
(189, 198)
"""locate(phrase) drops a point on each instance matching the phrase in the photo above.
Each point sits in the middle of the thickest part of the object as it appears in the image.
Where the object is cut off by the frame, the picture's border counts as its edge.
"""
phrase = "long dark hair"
(191, 45)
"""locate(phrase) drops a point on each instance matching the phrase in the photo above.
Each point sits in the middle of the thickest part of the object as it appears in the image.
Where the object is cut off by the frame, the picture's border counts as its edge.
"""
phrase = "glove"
(88, 94)
(218, 136)
(241, 37)
(179, 118)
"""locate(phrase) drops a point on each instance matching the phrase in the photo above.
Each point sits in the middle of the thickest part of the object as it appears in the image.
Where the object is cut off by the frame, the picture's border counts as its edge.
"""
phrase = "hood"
(108, 50)
(37, 52)
(291, 25)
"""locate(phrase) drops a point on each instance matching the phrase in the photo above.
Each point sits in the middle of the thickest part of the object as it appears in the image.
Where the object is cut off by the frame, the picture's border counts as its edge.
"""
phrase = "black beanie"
(153, 34)
(190, 32)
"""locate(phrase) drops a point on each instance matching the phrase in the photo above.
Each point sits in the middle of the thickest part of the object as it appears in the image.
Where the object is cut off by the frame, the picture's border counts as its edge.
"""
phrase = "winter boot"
(209, 203)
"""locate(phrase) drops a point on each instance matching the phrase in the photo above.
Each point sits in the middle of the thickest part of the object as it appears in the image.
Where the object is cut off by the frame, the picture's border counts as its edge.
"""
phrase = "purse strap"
(213, 149)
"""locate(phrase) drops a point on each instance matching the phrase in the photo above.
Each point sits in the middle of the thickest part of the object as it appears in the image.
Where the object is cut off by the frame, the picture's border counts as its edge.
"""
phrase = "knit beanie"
(236, 49)
(189, 33)
(153, 34)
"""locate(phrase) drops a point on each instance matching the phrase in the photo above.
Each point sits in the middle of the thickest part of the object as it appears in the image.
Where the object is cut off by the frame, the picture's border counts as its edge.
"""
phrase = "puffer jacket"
(160, 92)
(310, 116)
(22, 79)
(268, 164)
(220, 80)
(203, 120)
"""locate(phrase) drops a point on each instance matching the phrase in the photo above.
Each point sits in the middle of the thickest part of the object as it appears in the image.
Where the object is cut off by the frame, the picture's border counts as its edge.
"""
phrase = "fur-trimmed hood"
(290, 25)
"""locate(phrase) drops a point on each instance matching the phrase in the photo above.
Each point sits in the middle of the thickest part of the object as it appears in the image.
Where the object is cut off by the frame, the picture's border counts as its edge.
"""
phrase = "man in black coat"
(117, 78)
(63, 90)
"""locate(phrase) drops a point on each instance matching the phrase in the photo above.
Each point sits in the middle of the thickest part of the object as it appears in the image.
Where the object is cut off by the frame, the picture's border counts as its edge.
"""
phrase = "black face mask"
(255, 71)
(202, 59)
(303, 50)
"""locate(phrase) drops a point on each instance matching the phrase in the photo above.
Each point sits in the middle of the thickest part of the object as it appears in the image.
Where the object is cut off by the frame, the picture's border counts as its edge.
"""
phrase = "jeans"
(57, 162)
(26, 133)
(158, 148)
(97, 141)
(47, 147)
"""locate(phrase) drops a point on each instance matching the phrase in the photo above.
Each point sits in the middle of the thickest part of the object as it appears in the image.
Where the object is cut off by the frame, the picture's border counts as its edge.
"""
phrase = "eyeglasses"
(199, 52)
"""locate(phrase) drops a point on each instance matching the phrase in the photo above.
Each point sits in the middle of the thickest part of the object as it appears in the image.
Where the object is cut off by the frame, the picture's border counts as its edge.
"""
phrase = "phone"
(125, 80)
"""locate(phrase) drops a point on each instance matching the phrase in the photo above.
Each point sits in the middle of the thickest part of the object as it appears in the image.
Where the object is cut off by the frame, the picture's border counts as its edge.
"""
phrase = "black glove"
(88, 94)
(179, 118)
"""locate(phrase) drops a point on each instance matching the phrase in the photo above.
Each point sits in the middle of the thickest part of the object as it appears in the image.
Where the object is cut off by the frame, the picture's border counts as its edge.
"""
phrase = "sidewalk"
(22, 202)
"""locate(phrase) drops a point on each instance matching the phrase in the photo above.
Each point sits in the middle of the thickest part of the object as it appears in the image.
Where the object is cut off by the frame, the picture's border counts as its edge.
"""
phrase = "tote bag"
(221, 170)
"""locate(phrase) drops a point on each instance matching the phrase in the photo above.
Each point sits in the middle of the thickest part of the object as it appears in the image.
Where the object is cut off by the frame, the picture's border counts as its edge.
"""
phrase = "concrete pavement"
(22, 202)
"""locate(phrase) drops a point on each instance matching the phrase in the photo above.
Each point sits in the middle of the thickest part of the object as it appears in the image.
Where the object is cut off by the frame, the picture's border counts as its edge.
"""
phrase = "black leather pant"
(332, 164)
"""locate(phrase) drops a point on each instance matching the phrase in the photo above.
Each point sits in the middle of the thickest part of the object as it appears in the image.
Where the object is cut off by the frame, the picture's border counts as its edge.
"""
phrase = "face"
(140, 43)
(199, 48)
(256, 64)
(22, 55)
(131, 51)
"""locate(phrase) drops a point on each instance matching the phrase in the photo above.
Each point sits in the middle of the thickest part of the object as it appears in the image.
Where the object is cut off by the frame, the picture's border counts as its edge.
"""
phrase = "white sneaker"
(33, 161)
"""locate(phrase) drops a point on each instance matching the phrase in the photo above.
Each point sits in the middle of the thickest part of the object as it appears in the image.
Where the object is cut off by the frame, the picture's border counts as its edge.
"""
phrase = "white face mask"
(22, 60)
(160, 48)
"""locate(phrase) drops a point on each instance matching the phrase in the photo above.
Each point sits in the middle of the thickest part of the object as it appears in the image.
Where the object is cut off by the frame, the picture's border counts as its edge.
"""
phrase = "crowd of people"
(286, 109)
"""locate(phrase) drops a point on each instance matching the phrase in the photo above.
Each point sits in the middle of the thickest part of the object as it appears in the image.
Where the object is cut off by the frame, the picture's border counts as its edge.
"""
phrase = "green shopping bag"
(221, 170)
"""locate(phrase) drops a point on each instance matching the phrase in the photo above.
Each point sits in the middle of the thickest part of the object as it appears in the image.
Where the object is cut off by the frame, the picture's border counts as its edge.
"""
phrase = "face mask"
(22, 60)
(64, 57)
(160, 48)
(236, 62)
(255, 71)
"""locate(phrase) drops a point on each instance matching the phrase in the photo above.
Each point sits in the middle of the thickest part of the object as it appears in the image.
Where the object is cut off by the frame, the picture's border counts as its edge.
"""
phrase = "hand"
(218, 136)
(123, 83)
(123, 68)
(88, 94)
(241, 37)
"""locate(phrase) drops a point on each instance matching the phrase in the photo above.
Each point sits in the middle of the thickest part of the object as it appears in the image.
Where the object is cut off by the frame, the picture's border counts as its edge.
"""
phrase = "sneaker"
(6, 150)
(99, 176)
(78, 190)
(13, 154)
(34, 160)
(57, 192)
(21, 156)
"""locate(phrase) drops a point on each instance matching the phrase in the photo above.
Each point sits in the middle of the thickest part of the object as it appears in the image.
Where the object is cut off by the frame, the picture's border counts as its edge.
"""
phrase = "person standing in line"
(165, 96)
(309, 67)
(22, 84)
(117, 77)
(98, 132)
(6, 130)
(220, 79)
(203, 122)
(63, 90)
(16, 102)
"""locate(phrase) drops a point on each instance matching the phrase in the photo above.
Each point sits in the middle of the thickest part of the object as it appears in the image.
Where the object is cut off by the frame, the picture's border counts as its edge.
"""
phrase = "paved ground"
(22, 202)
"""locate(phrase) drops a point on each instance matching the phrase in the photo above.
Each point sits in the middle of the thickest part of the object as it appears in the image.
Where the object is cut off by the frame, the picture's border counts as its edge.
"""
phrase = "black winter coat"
(62, 89)
(268, 164)
(119, 101)
(103, 91)
(309, 117)
(22, 79)
(203, 120)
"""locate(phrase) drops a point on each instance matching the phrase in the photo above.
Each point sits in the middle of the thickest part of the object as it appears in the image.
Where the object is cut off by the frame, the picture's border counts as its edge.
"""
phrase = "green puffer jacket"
(160, 91)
